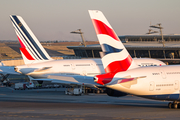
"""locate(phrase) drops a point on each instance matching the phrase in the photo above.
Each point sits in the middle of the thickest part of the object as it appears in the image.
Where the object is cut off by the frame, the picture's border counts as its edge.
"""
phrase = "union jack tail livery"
(115, 57)
(31, 49)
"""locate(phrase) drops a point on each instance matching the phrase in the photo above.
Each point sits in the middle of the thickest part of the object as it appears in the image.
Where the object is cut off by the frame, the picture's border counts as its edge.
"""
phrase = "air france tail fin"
(114, 55)
(31, 49)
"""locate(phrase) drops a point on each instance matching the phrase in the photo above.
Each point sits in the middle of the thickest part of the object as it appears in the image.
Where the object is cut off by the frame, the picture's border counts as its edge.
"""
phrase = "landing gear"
(174, 105)
(170, 105)
(4, 77)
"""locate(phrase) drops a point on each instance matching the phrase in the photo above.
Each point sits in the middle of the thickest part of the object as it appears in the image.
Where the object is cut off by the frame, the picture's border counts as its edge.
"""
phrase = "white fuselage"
(156, 82)
(84, 67)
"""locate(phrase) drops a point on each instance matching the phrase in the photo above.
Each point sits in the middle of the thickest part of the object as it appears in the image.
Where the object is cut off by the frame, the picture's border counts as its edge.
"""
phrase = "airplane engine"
(115, 93)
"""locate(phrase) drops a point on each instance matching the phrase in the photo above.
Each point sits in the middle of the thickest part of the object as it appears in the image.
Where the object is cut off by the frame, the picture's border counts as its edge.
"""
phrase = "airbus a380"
(40, 66)
(123, 75)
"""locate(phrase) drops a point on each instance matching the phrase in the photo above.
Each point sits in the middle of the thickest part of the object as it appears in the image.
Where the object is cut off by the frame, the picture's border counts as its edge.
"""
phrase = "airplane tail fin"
(115, 57)
(31, 49)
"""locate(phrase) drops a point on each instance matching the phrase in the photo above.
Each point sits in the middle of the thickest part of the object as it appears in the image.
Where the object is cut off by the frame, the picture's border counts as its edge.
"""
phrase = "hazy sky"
(55, 19)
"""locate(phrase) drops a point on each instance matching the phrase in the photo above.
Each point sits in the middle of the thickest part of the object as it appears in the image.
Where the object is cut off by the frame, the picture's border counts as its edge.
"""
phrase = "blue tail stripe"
(23, 38)
(110, 49)
(31, 39)
(33, 54)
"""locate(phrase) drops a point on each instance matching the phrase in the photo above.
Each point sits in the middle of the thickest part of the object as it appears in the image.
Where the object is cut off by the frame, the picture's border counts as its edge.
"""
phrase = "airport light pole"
(152, 31)
(158, 26)
(78, 31)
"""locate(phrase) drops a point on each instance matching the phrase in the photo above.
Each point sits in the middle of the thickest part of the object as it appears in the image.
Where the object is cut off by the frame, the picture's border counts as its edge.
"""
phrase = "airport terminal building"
(140, 46)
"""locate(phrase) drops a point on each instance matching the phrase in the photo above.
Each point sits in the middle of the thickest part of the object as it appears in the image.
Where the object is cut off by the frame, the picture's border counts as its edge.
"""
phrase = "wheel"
(170, 105)
(178, 105)
(175, 105)
(98, 91)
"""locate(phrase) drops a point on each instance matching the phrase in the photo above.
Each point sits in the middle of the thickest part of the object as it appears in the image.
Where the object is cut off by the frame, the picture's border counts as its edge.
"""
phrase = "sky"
(55, 19)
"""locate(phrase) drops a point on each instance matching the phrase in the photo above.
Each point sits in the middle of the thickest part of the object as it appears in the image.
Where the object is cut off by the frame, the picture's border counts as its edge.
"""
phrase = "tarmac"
(48, 104)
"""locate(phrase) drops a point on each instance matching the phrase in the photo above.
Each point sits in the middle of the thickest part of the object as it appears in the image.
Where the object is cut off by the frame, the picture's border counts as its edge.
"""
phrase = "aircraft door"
(176, 85)
(84, 73)
(72, 66)
(151, 86)
(163, 74)
(93, 65)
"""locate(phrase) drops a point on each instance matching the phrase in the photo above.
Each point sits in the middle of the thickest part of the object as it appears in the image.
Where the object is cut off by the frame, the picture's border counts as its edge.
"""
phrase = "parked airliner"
(41, 67)
(123, 75)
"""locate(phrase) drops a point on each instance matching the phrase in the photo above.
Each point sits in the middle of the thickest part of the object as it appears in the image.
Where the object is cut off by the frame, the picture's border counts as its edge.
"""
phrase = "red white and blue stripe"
(115, 57)
(31, 48)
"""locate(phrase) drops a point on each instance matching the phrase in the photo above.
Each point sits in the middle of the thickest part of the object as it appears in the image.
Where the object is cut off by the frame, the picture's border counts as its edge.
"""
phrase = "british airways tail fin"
(31, 49)
(114, 55)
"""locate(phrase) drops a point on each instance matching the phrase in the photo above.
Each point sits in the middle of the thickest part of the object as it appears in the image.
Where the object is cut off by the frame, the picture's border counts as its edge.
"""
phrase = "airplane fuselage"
(156, 82)
(83, 67)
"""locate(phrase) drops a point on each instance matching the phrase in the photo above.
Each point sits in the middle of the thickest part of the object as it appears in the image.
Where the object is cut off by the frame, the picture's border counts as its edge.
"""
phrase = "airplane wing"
(78, 80)
(7, 70)
(127, 82)
(42, 69)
